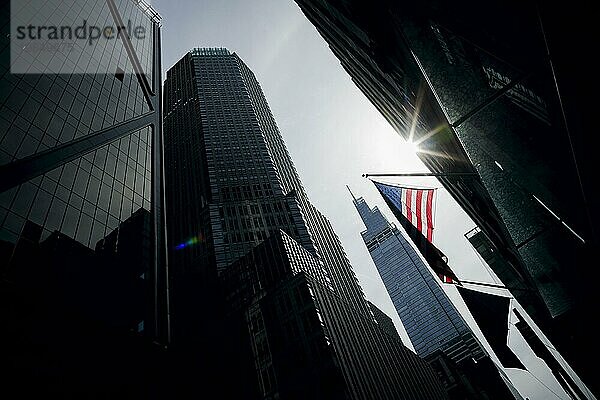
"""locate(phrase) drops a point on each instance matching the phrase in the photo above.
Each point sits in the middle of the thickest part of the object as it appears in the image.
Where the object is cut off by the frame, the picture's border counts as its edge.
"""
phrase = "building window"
(120, 74)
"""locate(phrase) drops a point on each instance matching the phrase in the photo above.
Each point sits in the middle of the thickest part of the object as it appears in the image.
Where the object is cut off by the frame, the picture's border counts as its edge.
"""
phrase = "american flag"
(415, 204)
(413, 207)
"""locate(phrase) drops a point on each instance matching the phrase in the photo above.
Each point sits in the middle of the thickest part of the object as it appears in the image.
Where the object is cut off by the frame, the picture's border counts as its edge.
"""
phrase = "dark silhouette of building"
(75, 319)
(260, 285)
(470, 379)
(486, 250)
(502, 113)
(541, 350)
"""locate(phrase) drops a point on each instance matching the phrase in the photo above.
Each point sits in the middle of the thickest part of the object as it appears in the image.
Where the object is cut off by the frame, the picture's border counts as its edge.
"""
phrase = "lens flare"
(190, 242)
(414, 147)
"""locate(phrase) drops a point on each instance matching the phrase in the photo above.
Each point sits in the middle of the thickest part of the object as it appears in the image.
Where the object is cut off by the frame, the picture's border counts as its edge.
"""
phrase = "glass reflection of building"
(79, 152)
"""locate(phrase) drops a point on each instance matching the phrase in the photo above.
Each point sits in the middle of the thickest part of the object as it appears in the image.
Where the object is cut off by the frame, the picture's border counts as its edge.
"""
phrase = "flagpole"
(458, 281)
(351, 194)
(494, 286)
(434, 174)
(473, 174)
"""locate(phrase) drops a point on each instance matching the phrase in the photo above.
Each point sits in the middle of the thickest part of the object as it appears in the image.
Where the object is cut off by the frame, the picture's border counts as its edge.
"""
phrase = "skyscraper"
(438, 333)
(240, 220)
(80, 151)
(384, 321)
(80, 166)
(431, 320)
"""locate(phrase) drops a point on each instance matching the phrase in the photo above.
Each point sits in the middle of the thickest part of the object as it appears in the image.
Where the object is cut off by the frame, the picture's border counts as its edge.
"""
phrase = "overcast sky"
(333, 133)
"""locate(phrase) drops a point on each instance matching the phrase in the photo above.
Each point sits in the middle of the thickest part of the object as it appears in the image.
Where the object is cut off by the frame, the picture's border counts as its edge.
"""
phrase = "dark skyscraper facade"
(241, 220)
(76, 149)
(77, 321)
(80, 154)
(508, 275)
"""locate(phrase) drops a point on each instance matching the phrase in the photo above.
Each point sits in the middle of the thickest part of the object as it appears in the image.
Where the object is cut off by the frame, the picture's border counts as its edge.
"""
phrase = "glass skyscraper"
(241, 220)
(437, 331)
(81, 242)
(81, 152)
(431, 320)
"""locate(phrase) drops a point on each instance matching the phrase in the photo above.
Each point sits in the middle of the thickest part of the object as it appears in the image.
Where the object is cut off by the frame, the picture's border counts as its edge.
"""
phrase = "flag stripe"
(429, 213)
(403, 200)
(409, 205)
(419, 204)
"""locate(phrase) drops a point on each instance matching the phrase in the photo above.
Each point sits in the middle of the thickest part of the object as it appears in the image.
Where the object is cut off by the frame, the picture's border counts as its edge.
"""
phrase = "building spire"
(351, 194)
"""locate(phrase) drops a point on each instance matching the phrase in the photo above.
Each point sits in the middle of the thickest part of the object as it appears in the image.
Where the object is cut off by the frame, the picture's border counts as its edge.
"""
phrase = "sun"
(413, 146)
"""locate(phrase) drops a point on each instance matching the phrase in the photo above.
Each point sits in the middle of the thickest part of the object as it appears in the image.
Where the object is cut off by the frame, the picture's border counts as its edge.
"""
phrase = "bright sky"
(333, 133)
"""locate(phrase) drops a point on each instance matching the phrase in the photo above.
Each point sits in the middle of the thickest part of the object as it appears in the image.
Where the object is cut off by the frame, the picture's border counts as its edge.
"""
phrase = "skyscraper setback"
(241, 220)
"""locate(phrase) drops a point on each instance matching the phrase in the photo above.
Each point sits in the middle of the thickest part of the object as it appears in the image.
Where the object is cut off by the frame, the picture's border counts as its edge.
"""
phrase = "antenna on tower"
(351, 194)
